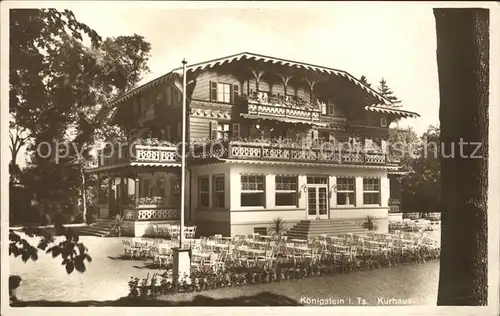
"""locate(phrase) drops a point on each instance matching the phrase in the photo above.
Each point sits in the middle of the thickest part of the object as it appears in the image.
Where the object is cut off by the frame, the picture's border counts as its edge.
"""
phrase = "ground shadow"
(261, 299)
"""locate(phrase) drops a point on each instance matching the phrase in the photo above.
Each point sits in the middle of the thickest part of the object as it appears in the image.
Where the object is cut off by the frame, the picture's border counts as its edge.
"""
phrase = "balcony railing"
(155, 214)
(292, 152)
(283, 107)
(139, 151)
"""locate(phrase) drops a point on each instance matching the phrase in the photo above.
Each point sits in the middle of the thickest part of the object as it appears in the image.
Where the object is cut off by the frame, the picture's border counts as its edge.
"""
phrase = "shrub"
(369, 223)
(234, 274)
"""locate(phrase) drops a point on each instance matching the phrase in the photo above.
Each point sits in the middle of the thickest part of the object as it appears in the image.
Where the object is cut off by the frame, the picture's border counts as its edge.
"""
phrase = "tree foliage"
(421, 189)
(404, 144)
(364, 81)
(62, 77)
(386, 92)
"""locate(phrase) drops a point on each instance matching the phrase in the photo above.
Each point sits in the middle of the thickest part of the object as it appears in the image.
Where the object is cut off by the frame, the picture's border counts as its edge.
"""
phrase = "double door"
(317, 201)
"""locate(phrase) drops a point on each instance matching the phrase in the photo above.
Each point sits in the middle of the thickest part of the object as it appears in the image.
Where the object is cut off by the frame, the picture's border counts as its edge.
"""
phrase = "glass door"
(317, 202)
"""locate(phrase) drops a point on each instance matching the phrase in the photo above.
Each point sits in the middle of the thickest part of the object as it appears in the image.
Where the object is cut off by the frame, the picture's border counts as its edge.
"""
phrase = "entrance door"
(317, 202)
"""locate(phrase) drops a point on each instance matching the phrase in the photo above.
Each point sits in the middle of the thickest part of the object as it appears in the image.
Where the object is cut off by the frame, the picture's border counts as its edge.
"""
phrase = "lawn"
(107, 276)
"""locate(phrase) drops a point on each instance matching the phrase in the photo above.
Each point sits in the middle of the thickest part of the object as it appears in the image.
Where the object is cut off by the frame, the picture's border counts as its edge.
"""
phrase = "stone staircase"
(312, 228)
(100, 228)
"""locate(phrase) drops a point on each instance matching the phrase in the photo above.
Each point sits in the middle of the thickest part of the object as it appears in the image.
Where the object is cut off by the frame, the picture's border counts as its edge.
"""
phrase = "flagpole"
(183, 157)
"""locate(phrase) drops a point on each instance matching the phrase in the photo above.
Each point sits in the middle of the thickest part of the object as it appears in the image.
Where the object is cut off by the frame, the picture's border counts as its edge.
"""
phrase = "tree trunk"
(463, 67)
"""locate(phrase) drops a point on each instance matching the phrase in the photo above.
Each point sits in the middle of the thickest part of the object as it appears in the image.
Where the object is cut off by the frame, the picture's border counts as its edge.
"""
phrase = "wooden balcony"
(282, 108)
(138, 152)
(319, 153)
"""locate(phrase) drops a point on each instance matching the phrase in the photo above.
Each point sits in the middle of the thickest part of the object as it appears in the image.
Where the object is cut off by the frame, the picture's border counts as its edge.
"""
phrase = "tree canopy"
(386, 92)
(62, 77)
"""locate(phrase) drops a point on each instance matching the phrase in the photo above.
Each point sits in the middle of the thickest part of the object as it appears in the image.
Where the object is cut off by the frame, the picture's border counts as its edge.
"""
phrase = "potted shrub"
(117, 225)
(369, 223)
(277, 228)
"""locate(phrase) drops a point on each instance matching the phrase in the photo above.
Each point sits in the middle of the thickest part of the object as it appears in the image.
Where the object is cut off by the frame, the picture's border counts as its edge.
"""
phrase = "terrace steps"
(100, 228)
(312, 228)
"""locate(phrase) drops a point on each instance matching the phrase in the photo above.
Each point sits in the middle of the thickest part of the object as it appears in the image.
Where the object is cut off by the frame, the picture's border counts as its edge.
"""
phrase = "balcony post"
(137, 188)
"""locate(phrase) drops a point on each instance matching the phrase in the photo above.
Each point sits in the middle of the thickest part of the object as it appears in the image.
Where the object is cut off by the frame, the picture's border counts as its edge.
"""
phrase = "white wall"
(239, 216)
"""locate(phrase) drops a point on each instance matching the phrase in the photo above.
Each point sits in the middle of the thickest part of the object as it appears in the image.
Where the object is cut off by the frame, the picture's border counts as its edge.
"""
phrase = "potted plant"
(369, 223)
(117, 225)
(278, 227)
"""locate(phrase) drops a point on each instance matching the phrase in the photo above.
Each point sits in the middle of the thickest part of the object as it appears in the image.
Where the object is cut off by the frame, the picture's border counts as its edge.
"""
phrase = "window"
(223, 131)
(176, 185)
(146, 188)
(219, 193)
(286, 191)
(203, 198)
(331, 109)
(323, 108)
(160, 187)
(223, 92)
(252, 190)
(236, 130)
(346, 188)
(371, 191)
(383, 121)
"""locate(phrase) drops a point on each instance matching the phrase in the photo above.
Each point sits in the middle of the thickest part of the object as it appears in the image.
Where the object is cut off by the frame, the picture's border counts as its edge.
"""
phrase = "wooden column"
(98, 187)
(137, 188)
(110, 198)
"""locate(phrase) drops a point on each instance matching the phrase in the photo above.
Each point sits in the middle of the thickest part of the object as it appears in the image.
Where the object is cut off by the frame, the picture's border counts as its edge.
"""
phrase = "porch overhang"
(304, 164)
(388, 110)
(133, 164)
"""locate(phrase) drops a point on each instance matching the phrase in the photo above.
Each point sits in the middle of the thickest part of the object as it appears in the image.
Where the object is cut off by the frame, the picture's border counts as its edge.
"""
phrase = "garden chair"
(127, 248)
(164, 256)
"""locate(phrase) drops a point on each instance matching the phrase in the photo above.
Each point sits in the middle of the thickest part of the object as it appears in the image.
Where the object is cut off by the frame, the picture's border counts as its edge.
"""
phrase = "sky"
(396, 42)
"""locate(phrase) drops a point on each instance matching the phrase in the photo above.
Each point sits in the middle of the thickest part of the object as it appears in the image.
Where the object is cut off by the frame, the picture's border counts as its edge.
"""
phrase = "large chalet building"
(268, 138)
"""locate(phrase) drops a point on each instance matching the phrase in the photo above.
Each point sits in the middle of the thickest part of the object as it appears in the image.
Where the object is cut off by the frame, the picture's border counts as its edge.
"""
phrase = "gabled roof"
(177, 74)
(284, 62)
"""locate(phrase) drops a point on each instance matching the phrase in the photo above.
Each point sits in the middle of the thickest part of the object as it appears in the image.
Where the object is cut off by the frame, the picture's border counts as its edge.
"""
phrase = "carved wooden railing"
(288, 152)
(283, 108)
(153, 214)
(122, 153)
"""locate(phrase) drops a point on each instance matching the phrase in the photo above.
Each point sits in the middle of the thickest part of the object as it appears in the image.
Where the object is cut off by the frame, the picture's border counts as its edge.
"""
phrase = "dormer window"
(383, 121)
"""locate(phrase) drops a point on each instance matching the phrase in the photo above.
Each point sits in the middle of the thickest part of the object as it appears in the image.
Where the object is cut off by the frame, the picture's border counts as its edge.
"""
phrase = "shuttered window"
(213, 130)
(223, 92)
(213, 91)
(235, 93)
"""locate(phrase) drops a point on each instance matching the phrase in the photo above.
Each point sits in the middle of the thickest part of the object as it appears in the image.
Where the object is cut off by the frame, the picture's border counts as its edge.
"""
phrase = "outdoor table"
(299, 240)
